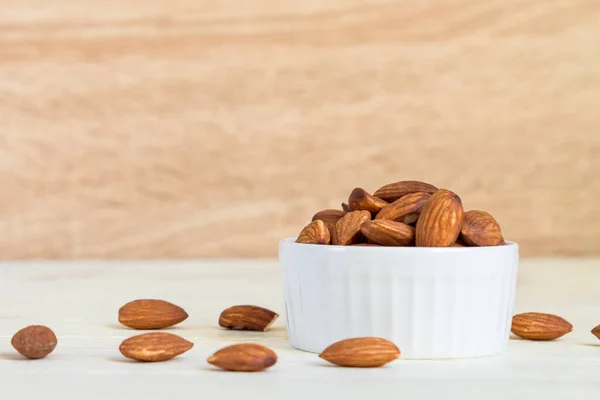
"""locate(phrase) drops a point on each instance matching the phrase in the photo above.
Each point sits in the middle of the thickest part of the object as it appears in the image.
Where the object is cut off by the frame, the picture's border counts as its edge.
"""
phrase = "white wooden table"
(79, 301)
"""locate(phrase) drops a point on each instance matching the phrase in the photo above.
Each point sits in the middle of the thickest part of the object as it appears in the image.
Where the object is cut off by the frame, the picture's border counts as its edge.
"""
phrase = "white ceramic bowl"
(432, 303)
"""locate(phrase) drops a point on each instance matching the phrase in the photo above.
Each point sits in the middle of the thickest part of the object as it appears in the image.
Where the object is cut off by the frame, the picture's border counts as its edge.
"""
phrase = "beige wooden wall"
(204, 128)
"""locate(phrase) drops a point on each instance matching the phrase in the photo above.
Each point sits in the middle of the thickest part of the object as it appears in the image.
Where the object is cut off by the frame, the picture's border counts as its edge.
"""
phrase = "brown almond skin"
(393, 191)
(388, 233)
(151, 314)
(540, 326)
(360, 199)
(154, 347)
(247, 317)
(330, 217)
(440, 221)
(406, 206)
(345, 207)
(34, 341)
(596, 331)
(362, 352)
(314, 233)
(347, 230)
(244, 357)
(480, 229)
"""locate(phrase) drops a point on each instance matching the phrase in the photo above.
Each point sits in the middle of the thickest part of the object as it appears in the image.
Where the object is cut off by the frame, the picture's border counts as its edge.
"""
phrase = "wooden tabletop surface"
(79, 301)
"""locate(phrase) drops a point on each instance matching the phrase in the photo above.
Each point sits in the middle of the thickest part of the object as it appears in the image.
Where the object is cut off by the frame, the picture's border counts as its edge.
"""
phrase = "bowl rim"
(291, 241)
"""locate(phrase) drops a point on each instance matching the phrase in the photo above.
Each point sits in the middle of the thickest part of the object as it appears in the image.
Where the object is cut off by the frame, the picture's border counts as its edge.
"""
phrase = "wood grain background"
(203, 128)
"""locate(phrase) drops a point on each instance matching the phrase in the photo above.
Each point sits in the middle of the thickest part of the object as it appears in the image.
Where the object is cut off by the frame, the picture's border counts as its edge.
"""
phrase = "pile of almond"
(405, 213)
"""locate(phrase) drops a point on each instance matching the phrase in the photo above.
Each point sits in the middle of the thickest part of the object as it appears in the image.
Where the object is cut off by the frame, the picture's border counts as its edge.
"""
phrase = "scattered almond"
(347, 230)
(540, 326)
(596, 331)
(34, 342)
(330, 217)
(388, 233)
(396, 190)
(314, 233)
(245, 357)
(155, 346)
(406, 209)
(361, 352)
(360, 199)
(151, 314)
(480, 229)
(440, 221)
(252, 318)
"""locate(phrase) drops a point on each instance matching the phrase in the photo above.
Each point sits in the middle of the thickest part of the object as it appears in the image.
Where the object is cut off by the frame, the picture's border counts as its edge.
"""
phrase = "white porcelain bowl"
(432, 303)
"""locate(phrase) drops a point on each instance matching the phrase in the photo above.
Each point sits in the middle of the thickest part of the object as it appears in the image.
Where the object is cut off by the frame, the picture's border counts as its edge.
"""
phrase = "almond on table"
(244, 357)
(247, 317)
(154, 347)
(151, 314)
(363, 352)
(34, 342)
(540, 326)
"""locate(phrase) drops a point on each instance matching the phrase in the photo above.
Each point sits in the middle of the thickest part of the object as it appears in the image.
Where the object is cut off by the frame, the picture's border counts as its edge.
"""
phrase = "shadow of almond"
(13, 356)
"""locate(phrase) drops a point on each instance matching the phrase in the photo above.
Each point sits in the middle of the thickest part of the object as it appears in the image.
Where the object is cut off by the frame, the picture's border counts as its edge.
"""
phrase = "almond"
(388, 233)
(360, 199)
(406, 209)
(366, 244)
(347, 229)
(361, 352)
(330, 217)
(396, 190)
(314, 233)
(345, 207)
(245, 357)
(540, 326)
(480, 229)
(251, 318)
(151, 314)
(440, 221)
(596, 331)
(35, 341)
(155, 346)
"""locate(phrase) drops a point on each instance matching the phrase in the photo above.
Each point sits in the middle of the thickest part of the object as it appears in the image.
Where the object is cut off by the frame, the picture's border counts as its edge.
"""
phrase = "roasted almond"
(440, 221)
(480, 229)
(360, 199)
(155, 346)
(596, 331)
(151, 314)
(393, 191)
(388, 233)
(540, 326)
(347, 229)
(251, 318)
(330, 217)
(245, 357)
(345, 207)
(361, 352)
(35, 341)
(406, 206)
(314, 233)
